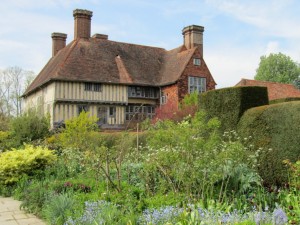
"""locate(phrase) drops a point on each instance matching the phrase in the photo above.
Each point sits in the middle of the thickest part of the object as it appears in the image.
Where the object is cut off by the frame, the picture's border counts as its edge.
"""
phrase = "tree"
(13, 82)
(278, 68)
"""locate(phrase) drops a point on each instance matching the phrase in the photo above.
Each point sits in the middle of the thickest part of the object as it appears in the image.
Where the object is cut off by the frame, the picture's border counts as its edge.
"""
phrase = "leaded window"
(197, 84)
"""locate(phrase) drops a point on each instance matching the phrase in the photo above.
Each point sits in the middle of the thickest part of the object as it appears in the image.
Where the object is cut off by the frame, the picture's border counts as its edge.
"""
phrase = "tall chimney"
(82, 23)
(58, 42)
(193, 37)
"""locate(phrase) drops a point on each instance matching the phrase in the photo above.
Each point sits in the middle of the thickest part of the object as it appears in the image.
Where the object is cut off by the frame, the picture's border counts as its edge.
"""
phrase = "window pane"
(97, 87)
(197, 84)
(112, 111)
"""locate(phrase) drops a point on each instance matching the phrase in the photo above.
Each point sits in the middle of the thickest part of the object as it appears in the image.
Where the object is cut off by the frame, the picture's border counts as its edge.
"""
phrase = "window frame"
(142, 92)
(136, 112)
(88, 86)
(196, 84)
(97, 87)
(197, 61)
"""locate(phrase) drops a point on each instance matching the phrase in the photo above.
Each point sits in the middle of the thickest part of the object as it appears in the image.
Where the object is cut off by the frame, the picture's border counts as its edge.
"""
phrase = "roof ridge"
(125, 77)
(147, 46)
(187, 61)
(274, 82)
(72, 44)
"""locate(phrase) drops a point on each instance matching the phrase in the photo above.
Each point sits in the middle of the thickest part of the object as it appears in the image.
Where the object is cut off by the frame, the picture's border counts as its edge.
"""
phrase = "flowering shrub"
(16, 163)
(172, 111)
(206, 163)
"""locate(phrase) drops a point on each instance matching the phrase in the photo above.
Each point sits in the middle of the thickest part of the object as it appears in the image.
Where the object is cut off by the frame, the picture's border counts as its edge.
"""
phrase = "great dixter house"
(116, 81)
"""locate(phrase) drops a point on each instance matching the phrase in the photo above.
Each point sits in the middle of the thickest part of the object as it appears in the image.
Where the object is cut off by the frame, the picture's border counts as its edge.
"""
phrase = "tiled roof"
(275, 90)
(105, 61)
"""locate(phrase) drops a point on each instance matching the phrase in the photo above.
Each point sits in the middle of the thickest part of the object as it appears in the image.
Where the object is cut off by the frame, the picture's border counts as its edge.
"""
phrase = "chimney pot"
(193, 37)
(82, 23)
(58, 42)
(100, 36)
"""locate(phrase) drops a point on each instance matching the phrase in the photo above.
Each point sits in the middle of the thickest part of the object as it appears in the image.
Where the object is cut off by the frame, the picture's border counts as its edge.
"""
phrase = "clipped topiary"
(229, 104)
(276, 129)
(280, 100)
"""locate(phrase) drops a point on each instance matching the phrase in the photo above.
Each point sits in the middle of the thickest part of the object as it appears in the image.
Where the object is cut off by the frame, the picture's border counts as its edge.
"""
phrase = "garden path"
(10, 214)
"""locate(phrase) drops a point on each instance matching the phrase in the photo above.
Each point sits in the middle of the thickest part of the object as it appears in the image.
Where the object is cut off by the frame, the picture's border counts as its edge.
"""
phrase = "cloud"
(272, 17)
(229, 64)
(272, 47)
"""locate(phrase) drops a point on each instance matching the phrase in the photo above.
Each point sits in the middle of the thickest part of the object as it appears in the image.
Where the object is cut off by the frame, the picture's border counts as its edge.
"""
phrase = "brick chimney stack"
(58, 42)
(82, 23)
(193, 37)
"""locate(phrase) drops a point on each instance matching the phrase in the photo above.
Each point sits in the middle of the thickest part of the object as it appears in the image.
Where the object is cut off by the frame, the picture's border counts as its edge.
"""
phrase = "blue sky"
(236, 33)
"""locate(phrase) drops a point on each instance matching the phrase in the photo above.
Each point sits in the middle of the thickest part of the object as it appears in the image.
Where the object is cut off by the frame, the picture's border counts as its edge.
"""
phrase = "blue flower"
(279, 217)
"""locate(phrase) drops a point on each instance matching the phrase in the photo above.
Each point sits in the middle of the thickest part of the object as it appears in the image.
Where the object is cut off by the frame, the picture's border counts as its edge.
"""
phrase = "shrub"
(229, 104)
(34, 196)
(58, 209)
(30, 160)
(29, 127)
(274, 127)
(204, 162)
(172, 111)
(4, 140)
(79, 132)
(275, 101)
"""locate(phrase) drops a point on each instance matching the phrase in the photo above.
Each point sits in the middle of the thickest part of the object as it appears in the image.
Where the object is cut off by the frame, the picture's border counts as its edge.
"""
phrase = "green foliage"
(275, 101)
(28, 127)
(58, 209)
(190, 100)
(294, 173)
(35, 195)
(274, 128)
(79, 131)
(277, 68)
(205, 163)
(5, 140)
(229, 104)
(290, 199)
(28, 161)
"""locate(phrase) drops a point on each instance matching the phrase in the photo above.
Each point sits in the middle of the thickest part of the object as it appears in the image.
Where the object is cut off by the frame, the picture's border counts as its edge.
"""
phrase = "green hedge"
(280, 100)
(275, 127)
(229, 104)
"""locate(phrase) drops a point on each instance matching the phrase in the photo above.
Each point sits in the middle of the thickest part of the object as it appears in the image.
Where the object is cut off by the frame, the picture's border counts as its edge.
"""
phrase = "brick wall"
(196, 71)
(171, 92)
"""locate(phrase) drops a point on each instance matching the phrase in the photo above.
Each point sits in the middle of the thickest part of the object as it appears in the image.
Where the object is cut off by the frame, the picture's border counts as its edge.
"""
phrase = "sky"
(237, 32)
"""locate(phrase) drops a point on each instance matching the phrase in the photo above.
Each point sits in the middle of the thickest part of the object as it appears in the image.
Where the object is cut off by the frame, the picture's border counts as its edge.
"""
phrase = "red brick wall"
(171, 92)
(196, 71)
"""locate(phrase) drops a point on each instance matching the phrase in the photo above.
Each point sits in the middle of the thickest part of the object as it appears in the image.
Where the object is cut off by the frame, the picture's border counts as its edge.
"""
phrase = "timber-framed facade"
(117, 82)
